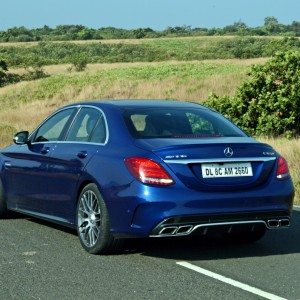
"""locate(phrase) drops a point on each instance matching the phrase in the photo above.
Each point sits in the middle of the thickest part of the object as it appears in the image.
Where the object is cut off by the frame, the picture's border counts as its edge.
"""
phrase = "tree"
(269, 102)
(272, 25)
(295, 27)
(237, 27)
(139, 33)
(85, 34)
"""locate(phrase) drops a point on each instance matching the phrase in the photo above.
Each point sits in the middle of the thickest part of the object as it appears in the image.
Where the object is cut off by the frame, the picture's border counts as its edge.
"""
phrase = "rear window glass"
(178, 123)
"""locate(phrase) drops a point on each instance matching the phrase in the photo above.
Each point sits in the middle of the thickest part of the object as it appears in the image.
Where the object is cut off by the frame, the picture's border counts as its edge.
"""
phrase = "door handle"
(82, 154)
(7, 165)
(45, 150)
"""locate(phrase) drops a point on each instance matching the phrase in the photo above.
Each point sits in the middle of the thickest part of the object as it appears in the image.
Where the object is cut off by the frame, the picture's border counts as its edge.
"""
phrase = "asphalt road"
(43, 261)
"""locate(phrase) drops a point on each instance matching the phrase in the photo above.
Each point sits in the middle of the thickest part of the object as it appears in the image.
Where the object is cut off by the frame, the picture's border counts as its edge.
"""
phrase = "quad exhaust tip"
(187, 229)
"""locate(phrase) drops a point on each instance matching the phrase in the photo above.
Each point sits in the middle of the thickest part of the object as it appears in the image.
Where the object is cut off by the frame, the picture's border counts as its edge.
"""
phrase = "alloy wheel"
(89, 218)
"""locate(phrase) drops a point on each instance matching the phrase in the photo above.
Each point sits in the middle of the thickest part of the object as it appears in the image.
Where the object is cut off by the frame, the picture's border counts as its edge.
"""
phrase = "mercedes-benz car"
(139, 168)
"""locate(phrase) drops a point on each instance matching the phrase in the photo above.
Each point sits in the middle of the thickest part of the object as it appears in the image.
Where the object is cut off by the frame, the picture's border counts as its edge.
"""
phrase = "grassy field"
(179, 80)
(145, 50)
(193, 39)
(25, 104)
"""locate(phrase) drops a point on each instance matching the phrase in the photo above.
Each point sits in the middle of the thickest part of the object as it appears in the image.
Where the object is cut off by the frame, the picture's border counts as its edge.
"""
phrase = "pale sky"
(157, 14)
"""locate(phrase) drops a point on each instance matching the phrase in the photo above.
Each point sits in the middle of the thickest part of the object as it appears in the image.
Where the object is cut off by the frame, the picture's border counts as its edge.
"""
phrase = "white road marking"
(230, 281)
(296, 206)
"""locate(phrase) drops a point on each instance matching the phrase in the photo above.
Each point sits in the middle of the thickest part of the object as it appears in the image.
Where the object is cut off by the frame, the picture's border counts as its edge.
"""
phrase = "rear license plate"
(226, 170)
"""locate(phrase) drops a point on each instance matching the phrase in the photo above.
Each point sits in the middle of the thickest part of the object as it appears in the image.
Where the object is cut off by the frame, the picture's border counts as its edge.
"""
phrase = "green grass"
(180, 74)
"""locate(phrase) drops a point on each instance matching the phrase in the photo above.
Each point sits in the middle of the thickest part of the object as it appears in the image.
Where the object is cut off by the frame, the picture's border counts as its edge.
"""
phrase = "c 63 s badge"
(269, 153)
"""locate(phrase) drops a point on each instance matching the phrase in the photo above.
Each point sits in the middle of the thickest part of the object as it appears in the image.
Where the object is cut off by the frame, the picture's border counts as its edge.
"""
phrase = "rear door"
(86, 136)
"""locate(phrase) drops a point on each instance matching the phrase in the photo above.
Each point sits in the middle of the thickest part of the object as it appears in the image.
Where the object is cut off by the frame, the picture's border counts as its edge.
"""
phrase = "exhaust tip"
(168, 230)
(186, 229)
(273, 223)
(284, 223)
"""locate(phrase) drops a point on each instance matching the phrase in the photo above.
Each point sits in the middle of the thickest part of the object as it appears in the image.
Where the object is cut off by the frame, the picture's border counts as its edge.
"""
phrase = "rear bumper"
(189, 211)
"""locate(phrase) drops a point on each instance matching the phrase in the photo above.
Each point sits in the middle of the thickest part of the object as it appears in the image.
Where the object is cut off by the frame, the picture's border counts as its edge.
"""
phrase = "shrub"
(79, 62)
(34, 68)
(34, 73)
(3, 69)
(269, 102)
(5, 77)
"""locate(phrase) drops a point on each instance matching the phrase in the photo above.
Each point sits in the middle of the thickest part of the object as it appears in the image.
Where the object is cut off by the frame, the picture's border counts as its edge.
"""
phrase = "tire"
(3, 207)
(245, 236)
(93, 225)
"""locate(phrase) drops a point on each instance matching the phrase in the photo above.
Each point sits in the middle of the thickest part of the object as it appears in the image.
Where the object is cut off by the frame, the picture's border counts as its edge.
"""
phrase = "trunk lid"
(216, 164)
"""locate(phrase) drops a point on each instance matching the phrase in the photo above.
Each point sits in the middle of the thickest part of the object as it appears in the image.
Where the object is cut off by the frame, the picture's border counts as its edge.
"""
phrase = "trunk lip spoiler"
(217, 160)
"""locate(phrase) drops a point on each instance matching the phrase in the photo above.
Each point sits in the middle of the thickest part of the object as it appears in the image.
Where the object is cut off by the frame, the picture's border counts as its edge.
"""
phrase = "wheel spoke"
(84, 203)
(86, 234)
(90, 200)
(83, 211)
(95, 206)
(97, 217)
(83, 224)
(96, 231)
(91, 237)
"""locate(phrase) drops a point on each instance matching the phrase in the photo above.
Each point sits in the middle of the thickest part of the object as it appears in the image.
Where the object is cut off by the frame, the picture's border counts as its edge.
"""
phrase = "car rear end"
(202, 174)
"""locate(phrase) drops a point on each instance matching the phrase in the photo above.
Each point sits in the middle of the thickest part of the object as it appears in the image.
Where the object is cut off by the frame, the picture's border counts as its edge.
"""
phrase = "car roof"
(140, 103)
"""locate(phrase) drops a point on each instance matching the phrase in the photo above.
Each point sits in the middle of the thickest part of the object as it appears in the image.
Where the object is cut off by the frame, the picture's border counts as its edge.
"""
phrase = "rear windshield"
(178, 123)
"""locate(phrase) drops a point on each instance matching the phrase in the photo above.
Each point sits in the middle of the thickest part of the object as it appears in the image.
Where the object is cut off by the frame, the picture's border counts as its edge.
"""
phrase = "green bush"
(34, 73)
(3, 70)
(251, 47)
(79, 62)
(5, 76)
(34, 68)
(269, 102)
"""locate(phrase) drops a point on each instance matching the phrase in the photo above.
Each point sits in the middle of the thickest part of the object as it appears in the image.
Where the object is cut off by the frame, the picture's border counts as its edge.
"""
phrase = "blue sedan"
(134, 169)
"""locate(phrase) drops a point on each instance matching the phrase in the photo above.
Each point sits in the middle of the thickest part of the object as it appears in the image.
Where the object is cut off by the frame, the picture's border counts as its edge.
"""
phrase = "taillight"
(148, 171)
(282, 168)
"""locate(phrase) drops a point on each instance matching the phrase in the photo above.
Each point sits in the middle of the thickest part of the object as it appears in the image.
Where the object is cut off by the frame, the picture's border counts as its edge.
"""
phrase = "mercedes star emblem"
(228, 152)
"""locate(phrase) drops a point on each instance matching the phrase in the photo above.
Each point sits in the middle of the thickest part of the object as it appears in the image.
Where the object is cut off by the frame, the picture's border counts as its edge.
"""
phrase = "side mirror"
(21, 138)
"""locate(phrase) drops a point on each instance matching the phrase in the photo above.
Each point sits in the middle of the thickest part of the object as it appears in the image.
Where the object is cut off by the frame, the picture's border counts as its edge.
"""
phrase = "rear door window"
(88, 126)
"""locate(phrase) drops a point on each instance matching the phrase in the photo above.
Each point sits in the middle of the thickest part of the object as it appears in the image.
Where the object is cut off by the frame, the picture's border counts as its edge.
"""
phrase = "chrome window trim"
(79, 107)
(217, 160)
